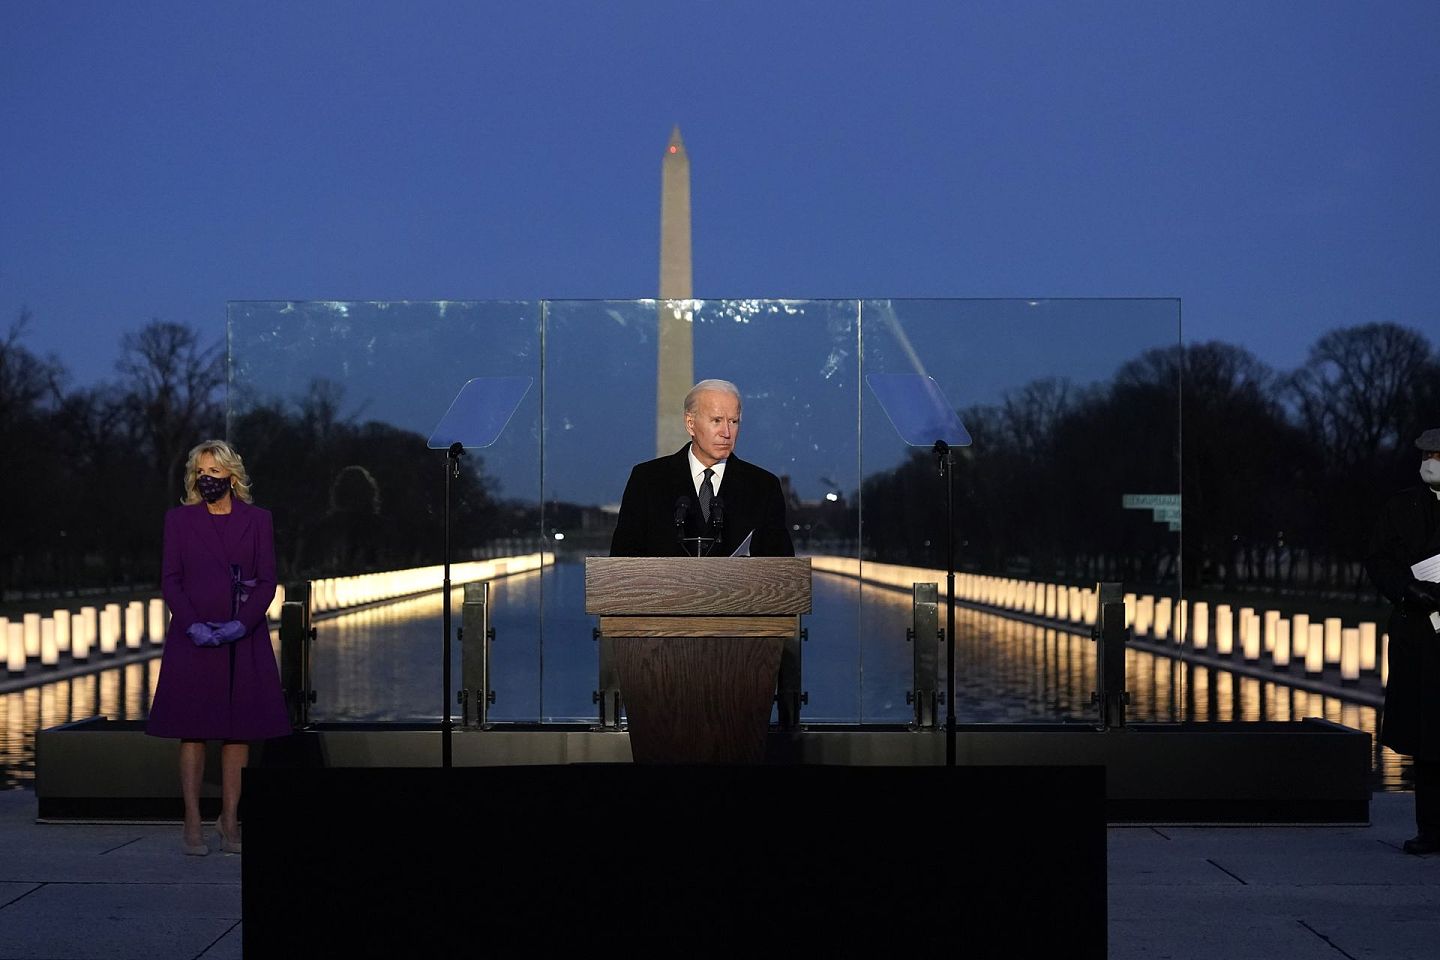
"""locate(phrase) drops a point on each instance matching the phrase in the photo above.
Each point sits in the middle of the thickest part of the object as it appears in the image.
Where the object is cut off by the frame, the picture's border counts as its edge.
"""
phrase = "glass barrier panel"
(330, 404)
(1072, 406)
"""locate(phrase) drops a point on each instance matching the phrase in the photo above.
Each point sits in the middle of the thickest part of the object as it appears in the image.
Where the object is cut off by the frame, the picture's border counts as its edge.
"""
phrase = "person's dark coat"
(229, 692)
(1408, 531)
(659, 489)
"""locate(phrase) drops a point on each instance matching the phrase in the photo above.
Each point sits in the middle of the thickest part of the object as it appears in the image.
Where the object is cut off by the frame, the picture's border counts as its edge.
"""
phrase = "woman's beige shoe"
(226, 844)
(194, 849)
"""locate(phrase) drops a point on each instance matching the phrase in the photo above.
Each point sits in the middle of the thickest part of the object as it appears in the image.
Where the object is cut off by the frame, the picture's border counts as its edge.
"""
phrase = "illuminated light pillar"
(1300, 637)
(86, 634)
(62, 630)
(1332, 639)
(49, 655)
(1182, 621)
(1281, 653)
(1250, 633)
(1385, 660)
(1369, 655)
(14, 645)
(109, 628)
(1224, 630)
(31, 623)
(1315, 650)
(1077, 605)
(272, 612)
(1272, 617)
(675, 347)
(1145, 616)
(1050, 600)
(1131, 602)
(1090, 604)
(1201, 640)
(1062, 603)
(134, 625)
(1350, 654)
(1162, 618)
(157, 620)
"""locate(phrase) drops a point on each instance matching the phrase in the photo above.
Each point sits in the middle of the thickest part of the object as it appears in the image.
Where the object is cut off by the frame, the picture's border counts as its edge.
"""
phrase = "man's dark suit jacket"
(750, 496)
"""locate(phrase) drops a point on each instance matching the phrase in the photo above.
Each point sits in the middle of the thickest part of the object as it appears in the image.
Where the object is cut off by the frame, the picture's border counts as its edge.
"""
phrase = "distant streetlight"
(559, 536)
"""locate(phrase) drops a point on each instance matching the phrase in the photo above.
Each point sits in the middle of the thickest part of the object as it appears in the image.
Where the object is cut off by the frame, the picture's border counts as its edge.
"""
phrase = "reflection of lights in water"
(380, 663)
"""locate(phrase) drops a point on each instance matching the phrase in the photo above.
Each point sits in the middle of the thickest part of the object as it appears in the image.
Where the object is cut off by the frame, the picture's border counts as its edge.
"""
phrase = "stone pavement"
(1278, 893)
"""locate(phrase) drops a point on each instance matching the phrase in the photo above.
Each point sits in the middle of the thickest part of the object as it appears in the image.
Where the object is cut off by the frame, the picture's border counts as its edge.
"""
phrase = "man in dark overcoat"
(703, 500)
(1407, 534)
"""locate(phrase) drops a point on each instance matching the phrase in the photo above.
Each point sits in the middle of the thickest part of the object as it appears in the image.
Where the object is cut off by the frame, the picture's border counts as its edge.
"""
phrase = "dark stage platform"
(599, 859)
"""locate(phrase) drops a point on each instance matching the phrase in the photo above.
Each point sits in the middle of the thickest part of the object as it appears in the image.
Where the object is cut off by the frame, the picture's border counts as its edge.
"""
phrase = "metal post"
(946, 458)
(925, 634)
(452, 469)
(296, 634)
(476, 635)
(608, 696)
(789, 696)
(1111, 636)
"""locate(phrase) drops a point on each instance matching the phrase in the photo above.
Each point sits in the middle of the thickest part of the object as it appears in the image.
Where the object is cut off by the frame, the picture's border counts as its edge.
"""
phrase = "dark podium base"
(980, 861)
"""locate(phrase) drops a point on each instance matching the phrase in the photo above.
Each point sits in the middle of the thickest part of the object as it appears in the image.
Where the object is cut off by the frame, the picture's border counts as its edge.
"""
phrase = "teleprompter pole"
(946, 458)
(452, 469)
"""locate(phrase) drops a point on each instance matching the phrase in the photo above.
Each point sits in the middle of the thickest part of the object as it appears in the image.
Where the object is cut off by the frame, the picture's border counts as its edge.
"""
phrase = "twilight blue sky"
(1272, 164)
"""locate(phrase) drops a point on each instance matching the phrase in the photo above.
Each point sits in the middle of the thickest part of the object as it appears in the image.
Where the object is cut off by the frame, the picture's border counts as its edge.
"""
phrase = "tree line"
(92, 470)
(1280, 472)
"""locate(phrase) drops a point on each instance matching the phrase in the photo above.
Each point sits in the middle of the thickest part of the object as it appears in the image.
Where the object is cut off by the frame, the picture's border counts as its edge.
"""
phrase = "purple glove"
(203, 634)
(228, 632)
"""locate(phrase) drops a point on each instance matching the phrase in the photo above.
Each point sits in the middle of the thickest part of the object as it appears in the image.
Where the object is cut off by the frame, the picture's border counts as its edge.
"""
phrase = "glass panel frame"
(856, 492)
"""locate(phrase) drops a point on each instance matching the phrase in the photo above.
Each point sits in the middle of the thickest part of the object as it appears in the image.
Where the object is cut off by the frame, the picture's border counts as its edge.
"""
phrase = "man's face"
(713, 425)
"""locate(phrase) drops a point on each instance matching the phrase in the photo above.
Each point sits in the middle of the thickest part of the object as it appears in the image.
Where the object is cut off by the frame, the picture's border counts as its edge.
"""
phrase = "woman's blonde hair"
(226, 457)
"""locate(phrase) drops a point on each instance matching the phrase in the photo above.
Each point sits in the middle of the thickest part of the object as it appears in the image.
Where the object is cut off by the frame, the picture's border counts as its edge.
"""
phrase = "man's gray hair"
(724, 386)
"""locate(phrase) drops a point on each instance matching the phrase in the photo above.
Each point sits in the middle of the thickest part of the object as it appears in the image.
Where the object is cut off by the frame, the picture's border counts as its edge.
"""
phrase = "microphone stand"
(946, 458)
(452, 469)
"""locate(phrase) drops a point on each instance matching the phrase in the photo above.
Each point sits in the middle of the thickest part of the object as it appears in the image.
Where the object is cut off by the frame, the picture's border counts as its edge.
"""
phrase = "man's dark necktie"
(707, 493)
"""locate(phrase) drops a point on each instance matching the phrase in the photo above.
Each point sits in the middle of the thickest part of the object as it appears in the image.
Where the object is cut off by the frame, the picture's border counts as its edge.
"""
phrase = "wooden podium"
(697, 648)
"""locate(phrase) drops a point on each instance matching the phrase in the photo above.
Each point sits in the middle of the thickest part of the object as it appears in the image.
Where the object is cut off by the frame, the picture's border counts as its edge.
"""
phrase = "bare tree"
(171, 382)
(1359, 388)
(28, 384)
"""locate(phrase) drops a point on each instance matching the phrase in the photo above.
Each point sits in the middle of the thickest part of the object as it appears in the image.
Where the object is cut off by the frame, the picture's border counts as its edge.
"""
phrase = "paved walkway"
(116, 890)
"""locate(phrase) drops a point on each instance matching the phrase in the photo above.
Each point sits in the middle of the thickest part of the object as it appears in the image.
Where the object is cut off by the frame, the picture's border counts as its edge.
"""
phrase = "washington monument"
(676, 346)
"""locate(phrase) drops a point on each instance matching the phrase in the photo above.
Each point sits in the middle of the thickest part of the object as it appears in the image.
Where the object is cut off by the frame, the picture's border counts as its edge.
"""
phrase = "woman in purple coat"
(218, 679)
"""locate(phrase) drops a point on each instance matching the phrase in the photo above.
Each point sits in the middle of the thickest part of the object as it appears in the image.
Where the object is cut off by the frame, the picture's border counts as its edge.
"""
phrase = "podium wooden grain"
(697, 648)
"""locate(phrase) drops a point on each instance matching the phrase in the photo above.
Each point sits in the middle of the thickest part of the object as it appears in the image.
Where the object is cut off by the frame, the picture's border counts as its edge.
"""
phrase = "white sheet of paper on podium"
(917, 409)
(744, 549)
(479, 412)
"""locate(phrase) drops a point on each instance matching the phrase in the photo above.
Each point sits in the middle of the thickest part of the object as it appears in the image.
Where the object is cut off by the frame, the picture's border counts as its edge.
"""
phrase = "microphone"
(717, 519)
(682, 507)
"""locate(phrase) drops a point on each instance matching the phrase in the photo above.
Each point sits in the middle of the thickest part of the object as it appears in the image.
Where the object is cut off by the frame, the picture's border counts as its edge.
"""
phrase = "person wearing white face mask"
(1407, 533)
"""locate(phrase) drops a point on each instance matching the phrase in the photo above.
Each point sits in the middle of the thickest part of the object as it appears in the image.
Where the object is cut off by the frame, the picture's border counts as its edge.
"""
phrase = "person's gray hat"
(1429, 440)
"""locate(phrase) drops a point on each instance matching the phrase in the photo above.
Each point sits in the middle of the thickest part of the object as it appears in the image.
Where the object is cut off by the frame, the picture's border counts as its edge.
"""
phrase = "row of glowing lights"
(140, 623)
(123, 694)
(1315, 644)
